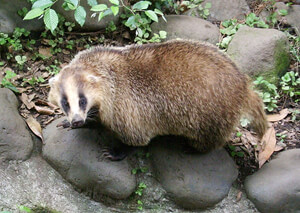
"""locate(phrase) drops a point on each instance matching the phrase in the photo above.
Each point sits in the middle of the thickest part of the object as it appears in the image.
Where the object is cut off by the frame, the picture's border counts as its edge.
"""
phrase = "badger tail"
(254, 111)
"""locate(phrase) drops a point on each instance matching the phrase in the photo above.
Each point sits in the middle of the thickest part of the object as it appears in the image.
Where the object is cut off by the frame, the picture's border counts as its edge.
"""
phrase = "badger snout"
(77, 121)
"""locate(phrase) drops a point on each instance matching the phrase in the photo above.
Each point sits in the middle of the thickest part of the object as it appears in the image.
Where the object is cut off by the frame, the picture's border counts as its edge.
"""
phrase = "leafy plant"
(295, 112)
(33, 81)
(290, 84)
(283, 12)
(25, 209)
(268, 92)
(137, 170)
(138, 17)
(281, 137)
(231, 26)
(140, 189)
(139, 192)
(202, 11)
(253, 21)
(53, 69)
(7, 81)
(21, 60)
(234, 152)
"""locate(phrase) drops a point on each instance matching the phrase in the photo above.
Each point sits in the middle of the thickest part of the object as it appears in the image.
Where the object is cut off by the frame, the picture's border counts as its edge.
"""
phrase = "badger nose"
(77, 122)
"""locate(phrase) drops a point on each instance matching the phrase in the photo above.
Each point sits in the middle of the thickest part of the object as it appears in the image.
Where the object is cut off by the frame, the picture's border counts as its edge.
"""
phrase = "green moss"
(41, 209)
(281, 61)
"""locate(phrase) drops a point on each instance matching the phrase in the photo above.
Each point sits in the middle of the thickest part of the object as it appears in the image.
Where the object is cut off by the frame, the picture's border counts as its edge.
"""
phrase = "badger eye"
(65, 104)
(82, 102)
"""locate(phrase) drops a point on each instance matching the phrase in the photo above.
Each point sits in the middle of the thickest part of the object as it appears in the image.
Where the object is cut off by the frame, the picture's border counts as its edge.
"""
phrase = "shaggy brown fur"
(174, 88)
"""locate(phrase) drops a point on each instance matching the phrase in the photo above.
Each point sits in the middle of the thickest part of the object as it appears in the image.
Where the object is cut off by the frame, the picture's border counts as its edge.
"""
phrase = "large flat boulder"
(77, 155)
(192, 180)
(187, 27)
(260, 52)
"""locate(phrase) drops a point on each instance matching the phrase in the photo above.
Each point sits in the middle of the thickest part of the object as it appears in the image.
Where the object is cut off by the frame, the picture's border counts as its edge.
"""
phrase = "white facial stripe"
(73, 98)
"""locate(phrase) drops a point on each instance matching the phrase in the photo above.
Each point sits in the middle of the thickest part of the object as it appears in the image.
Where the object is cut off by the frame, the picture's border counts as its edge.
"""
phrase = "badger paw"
(114, 154)
(64, 124)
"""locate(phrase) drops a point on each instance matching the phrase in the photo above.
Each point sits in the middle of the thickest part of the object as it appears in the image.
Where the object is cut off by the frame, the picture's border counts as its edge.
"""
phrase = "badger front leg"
(128, 145)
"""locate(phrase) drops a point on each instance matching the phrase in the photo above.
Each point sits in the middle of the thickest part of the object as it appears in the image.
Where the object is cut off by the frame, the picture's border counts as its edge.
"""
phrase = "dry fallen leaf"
(269, 144)
(45, 51)
(278, 148)
(43, 110)
(25, 99)
(277, 117)
(35, 127)
(239, 196)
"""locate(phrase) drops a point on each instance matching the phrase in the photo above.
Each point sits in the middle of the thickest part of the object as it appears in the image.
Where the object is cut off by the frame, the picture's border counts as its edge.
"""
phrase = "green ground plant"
(139, 191)
(290, 84)
(231, 26)
(268, 92)
(203, 11)
(7, 81)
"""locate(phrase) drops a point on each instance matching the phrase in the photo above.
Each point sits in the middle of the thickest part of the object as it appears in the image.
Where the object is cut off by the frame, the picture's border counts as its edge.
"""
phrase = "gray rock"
(34, 182)
(275, 187)
(187, 27)
(193, 181)
(91, 24)
(260, 52)
(223, 10)
(77, 156)
(293, 16)
(9, 18)
(15, 140)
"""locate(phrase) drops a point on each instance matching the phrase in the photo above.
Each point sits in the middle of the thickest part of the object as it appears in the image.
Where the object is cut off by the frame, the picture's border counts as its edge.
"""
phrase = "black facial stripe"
(82, 102)
(65, 105)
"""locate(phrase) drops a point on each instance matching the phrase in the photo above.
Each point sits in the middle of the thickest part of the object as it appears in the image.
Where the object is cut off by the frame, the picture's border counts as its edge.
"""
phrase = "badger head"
(74, 92)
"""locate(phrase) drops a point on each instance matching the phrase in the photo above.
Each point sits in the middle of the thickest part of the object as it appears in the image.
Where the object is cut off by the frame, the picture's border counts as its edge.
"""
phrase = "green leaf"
(115, 10)
(99, 8)
(157, 11)
(51, 19)
(80, 15)
(208, 5)
(42, 4)
(244, 122)
(163, 34)
(36, 12)
(25, 208)
(131, 22)
(239, 134)
(283, 12)
(115, 2)
(101, 15)
(141, 5)
(73, 2)
(152, 15)
(240, 154)
(92, 2)
(231, 147)
(10, 74)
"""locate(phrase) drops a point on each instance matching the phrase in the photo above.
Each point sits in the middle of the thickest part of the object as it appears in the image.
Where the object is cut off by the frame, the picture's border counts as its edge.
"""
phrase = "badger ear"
(53, 80)
(93, 78)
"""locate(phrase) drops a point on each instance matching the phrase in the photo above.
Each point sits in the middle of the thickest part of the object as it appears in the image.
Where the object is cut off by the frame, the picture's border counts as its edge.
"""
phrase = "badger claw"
(113, 154)
(65, 124)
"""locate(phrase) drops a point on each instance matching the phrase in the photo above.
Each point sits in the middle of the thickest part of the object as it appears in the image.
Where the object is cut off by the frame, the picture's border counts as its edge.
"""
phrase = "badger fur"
(179, 87)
